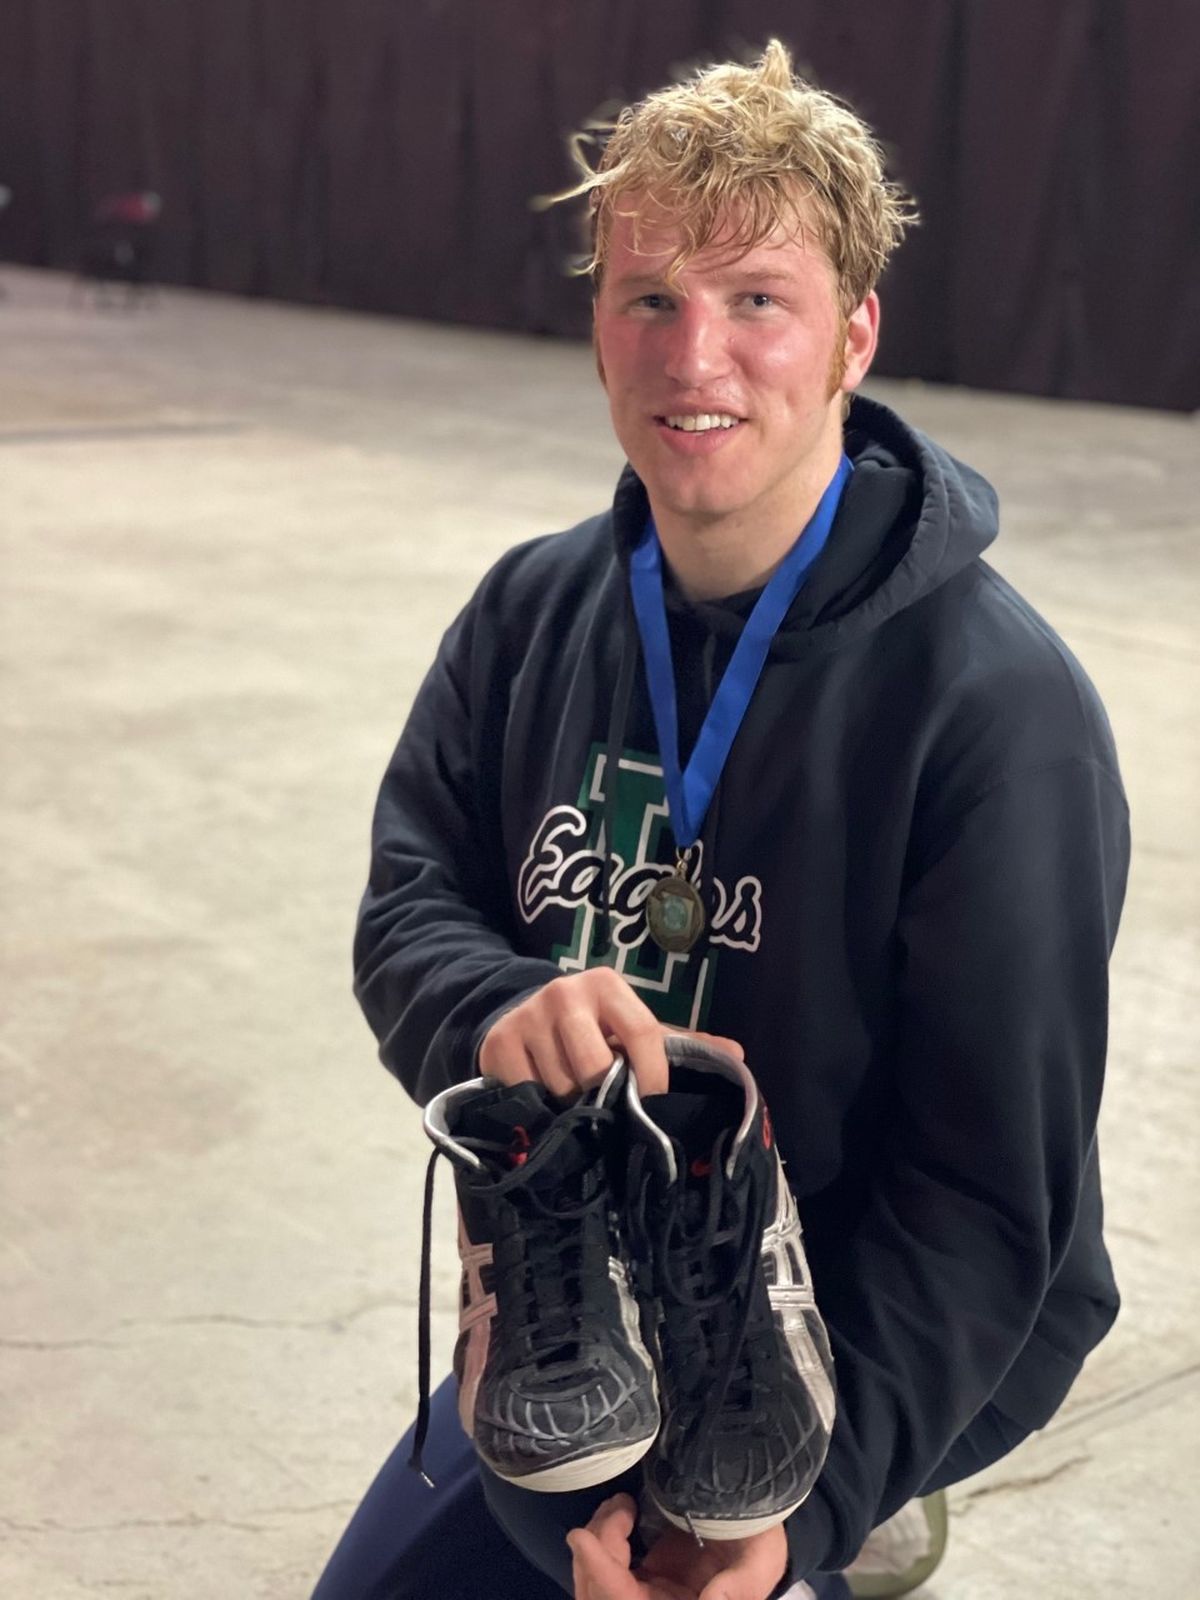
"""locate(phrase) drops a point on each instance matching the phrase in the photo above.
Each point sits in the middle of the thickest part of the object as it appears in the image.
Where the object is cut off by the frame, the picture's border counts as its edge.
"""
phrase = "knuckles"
(576, 1001)
(583, 991)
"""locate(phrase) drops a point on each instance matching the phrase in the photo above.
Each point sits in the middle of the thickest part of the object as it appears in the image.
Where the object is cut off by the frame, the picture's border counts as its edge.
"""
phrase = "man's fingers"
(730, 1046)
(754, 1570)
(583, 1047)
(503, 1056)
(581, 1583)
(612, 1523)
(640, 1035)
(599, 1011)
(547, 1057)
(596, 1574)
(580, 1586)
(564, 1035)
(603, 1576)
(736, 1585)
(648, 1063)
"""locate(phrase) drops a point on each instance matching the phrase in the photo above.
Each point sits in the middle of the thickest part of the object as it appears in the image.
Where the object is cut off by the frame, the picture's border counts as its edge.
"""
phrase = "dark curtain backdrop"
(381, 154)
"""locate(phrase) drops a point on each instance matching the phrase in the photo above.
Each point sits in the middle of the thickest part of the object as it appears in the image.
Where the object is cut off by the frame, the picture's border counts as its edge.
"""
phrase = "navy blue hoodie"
(914, 867)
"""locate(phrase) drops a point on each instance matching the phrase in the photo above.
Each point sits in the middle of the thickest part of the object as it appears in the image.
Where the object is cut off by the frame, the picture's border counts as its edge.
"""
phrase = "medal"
(674, 910)
(675, 914)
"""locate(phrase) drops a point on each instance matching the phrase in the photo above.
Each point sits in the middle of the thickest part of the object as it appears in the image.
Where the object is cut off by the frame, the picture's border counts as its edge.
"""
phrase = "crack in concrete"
(1033, 1480)
(191, 1520)
(229, 1319)
(304, 1511)
(336, 1323)
(120, 432)
(59, 1344)
(1110, 1412)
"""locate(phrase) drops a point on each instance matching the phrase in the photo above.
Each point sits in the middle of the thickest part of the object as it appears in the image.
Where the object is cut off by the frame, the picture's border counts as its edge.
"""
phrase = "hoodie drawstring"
(618, 718)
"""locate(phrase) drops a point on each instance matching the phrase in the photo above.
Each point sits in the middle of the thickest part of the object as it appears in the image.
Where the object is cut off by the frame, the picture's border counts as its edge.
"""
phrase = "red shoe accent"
(768, 1130)
(521, 1146)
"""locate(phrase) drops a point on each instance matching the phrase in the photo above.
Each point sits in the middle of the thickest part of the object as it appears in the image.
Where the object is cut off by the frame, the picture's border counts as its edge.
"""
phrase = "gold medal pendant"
(675, 912)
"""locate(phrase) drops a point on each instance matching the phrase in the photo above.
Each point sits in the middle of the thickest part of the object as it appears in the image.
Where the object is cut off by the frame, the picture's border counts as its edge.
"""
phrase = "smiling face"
(726, 387)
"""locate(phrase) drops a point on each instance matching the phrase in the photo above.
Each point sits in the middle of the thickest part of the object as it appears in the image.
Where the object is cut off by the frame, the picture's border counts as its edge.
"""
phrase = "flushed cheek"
(785, 362)
(617, 349)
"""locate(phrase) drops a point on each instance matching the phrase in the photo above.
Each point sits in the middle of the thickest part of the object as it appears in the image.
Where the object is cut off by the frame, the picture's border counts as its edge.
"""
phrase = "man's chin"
(699, 509)
(701, 497)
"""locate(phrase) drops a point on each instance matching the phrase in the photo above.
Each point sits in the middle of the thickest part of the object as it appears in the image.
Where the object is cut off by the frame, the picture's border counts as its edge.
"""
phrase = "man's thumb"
(736, 1585)
(730, 1586)
(726, 1587)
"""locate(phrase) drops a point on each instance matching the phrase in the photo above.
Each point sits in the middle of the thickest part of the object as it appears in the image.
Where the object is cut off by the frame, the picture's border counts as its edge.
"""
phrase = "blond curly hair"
(745, 148)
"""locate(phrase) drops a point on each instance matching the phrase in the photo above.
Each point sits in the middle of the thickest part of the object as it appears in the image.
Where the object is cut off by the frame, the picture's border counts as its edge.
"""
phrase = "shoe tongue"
(694, 1123)
(513, 1117)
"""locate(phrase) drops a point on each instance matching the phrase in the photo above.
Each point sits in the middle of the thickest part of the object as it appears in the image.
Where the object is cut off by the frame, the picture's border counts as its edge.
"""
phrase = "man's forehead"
(649, 233)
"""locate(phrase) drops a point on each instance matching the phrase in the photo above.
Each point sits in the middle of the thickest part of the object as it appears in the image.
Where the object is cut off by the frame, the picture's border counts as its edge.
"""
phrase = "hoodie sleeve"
(1003, 943)
(434, 962)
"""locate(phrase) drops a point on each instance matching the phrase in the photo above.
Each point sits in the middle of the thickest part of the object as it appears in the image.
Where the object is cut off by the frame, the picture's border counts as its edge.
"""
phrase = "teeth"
(703, 423)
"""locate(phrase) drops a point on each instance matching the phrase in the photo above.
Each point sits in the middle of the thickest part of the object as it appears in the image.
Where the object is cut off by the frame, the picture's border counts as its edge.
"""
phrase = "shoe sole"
(585, 1473)
(741, 1528)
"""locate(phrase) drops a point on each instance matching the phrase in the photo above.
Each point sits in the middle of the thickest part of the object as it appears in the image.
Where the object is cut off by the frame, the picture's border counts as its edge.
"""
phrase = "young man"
(904, 857)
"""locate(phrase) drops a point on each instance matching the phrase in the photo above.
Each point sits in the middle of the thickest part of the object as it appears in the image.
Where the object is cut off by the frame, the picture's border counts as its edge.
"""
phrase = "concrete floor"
(232, 534)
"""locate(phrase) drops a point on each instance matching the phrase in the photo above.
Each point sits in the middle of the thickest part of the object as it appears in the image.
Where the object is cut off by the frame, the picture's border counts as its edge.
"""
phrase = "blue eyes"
(759, 300)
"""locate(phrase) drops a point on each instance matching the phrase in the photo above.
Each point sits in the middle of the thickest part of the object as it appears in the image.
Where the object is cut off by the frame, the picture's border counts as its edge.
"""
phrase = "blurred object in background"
(119, 245)
(382, 156)
(5, 198)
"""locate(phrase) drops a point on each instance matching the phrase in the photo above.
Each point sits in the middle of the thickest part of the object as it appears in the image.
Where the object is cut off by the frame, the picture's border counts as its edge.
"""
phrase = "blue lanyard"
(690, 793)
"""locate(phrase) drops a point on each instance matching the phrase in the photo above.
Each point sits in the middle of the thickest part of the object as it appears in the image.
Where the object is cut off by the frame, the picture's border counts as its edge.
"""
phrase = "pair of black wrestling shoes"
(634, 1286)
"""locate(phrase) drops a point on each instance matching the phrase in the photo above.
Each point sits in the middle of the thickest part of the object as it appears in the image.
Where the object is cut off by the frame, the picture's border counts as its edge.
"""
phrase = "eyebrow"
(734, 274)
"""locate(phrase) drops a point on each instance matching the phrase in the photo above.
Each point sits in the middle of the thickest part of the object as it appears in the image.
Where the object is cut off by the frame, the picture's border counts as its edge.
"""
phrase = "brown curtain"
(382, 153)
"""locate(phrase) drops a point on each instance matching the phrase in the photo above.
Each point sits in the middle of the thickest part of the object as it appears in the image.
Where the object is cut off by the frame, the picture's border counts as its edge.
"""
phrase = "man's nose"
(697, 346)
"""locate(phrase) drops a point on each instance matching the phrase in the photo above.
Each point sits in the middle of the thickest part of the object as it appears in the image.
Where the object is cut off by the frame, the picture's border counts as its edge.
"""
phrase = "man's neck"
(729, 555)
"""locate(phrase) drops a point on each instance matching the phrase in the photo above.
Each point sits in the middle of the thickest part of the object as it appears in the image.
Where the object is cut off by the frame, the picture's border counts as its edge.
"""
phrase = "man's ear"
(596, 351)
(862, 340)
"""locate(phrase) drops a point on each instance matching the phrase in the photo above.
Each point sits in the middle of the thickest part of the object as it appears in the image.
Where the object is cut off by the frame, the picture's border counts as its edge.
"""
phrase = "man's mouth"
(702, 422)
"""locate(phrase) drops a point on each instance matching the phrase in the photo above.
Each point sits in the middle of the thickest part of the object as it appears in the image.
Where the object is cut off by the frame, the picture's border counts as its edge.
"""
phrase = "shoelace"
(564, 1127)
(685, 1255)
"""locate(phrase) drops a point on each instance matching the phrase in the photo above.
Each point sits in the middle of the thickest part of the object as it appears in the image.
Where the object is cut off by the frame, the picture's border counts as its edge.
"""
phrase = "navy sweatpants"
(458, 1541)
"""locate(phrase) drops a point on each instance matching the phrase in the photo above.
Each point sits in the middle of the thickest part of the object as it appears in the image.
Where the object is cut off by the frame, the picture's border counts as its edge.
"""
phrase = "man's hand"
(601, 1559)
(564, 1036)
(676, 1568)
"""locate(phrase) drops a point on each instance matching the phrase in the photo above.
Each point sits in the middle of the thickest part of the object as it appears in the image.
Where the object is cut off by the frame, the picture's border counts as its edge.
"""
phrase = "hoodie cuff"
(810, 1535)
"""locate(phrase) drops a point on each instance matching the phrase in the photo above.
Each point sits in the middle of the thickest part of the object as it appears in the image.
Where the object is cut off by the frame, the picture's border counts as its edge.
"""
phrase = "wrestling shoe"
(744, 1368)
(555, 1386)
(902, 1552)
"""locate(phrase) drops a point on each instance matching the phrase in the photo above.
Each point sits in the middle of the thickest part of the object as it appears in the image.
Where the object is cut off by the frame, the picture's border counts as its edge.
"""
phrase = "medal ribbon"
(689, 793)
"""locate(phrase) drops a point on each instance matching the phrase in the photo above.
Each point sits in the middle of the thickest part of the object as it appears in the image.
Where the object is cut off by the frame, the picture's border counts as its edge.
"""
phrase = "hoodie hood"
(910, 519)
